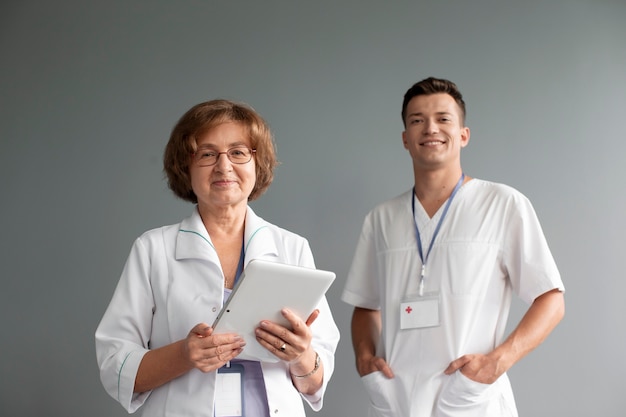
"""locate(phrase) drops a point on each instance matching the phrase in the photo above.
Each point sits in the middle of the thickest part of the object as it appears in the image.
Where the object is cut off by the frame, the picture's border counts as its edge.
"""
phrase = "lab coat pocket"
(460, 395)
(382, 394)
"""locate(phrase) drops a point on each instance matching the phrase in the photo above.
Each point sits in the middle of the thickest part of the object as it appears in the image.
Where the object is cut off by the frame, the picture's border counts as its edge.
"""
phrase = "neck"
(225, 226)
(433, 188)
(223, 221)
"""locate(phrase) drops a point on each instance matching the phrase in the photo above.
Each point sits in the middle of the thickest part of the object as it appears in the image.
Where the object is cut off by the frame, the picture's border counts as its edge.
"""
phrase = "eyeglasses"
(238, 155)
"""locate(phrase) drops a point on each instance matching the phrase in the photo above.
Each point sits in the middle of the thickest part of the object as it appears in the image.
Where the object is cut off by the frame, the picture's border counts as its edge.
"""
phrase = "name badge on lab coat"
(229, 391)
(420, 312)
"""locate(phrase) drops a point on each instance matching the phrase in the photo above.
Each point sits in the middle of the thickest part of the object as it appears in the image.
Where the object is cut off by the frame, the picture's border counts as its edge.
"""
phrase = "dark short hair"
(200, 119)
(430, 86)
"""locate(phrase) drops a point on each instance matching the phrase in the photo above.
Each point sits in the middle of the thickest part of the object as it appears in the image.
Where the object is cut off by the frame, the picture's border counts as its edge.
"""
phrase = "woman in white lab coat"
(154, 347)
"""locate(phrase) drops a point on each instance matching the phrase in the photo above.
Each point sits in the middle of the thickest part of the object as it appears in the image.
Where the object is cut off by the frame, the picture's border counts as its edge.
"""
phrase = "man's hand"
(540, 319)
(479, 368)
(367, 365)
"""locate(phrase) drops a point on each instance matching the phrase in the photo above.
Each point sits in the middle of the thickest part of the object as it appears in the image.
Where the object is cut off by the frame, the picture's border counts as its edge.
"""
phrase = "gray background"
(89, 92)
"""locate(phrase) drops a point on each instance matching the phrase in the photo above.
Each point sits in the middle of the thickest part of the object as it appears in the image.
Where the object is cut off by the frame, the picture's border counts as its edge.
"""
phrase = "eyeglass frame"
(217, 157)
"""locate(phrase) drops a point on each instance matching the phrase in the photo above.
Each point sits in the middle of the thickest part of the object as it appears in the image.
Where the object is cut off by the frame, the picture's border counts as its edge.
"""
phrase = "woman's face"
(224, 184)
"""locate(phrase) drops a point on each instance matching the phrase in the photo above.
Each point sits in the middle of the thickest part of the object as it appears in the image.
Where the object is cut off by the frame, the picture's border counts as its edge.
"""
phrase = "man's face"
(434, 133)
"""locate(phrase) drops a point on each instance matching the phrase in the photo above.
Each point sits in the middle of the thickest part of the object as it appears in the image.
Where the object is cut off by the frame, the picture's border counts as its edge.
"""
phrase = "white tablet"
(264, 289)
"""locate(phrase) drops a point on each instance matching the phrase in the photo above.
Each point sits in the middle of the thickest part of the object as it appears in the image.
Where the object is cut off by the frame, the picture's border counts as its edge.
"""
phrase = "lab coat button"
(214, 309)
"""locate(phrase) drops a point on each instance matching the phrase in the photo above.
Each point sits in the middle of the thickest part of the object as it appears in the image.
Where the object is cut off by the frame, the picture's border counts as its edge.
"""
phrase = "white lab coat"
(173, 280)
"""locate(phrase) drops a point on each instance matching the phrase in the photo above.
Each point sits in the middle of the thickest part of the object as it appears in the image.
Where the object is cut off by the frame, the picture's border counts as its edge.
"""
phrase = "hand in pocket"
(460, 394)
(383, 394)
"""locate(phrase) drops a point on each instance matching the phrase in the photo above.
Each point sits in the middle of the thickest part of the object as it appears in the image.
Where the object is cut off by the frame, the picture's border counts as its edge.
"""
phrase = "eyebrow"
(439, 113)
(230, 146)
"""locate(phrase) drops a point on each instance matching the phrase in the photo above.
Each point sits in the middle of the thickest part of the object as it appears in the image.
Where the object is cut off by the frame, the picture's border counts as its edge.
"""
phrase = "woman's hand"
(287, 345)
(294, 347)
(201, 349)
(208, 352)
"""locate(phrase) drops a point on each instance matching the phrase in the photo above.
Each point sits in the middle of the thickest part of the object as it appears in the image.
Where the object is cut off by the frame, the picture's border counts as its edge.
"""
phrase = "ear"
(404, 141)
(465, 136)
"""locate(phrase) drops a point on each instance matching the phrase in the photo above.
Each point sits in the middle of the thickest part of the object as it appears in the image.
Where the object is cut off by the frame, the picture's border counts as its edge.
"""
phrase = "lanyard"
(240, 266)
(417, 231)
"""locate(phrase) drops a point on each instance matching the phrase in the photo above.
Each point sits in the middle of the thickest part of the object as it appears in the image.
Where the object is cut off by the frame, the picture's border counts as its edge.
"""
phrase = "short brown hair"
(199, 120)
(433, 85)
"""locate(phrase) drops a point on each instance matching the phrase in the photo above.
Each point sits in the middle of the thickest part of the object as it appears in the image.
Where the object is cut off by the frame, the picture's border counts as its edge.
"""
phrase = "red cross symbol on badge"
(408, 310)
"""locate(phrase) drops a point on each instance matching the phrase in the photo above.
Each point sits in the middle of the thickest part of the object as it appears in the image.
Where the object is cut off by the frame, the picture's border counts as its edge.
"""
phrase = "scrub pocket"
(382, 394)
(461, 396)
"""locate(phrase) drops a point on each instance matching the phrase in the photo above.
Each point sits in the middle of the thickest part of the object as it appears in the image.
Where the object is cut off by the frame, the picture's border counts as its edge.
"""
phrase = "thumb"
(202, 330)
(457, 364)
(312, 317)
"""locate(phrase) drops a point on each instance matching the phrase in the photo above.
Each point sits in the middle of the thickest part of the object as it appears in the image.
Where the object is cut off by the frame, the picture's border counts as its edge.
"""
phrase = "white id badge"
(229, 391)
(418, 312)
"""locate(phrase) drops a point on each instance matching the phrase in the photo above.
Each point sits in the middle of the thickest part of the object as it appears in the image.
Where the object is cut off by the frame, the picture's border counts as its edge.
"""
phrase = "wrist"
(314, 369)
(364, 363)
(503, 358)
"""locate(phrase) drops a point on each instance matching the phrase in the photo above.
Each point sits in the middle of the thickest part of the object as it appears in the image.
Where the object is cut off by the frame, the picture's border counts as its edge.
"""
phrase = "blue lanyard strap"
(240, 266)
(432, 241)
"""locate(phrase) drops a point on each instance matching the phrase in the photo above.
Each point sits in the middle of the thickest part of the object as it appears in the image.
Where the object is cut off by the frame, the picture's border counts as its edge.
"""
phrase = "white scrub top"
(490, 245)
(171, 282)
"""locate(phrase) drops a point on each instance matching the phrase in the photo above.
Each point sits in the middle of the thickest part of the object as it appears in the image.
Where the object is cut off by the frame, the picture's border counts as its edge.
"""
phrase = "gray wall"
(90, 90)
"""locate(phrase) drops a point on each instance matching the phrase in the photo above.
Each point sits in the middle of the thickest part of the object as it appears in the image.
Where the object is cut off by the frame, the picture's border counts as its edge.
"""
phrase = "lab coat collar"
(258, 239)
(193, 240)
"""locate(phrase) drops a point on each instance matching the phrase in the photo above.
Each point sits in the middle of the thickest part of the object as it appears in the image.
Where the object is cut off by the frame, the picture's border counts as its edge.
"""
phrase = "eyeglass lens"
(239, 155)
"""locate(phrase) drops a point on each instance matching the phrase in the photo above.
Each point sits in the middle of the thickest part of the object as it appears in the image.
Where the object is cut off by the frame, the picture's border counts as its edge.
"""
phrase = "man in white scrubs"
(434, 273)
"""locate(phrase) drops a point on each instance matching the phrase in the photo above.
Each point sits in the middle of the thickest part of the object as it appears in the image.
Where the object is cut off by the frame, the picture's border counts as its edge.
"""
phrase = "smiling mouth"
(223, 182)
(432, 143)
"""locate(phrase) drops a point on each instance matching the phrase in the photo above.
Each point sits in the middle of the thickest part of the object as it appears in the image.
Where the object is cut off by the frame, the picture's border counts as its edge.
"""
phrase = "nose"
(431, 126)
(223, 164)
